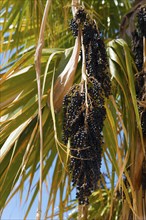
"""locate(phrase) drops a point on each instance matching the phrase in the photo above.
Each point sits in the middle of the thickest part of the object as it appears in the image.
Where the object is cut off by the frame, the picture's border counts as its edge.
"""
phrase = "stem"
(82, 209)
(75, 5)
(38, 73)
(84, 76)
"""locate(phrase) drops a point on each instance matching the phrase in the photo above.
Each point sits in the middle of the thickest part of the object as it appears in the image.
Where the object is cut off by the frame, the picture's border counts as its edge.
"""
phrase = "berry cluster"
(142, 21)
(77, 21)
(84, 112)
(83, 126)
(96, 58)
(137, 38)
(137, 48)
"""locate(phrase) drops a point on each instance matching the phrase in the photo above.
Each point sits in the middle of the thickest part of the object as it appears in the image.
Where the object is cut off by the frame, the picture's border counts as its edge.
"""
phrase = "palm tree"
(31, 134)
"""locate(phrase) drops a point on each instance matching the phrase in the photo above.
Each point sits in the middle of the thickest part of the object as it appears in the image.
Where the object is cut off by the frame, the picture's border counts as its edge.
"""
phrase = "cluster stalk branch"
(84, 75)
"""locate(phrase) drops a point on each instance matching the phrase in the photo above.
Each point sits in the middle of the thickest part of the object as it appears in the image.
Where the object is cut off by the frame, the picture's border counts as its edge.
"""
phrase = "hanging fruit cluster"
(83, 108)
(139, 44)
(138, 37)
